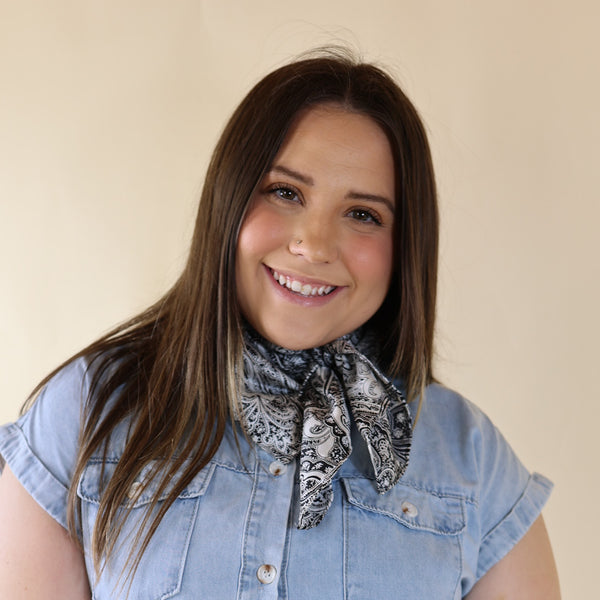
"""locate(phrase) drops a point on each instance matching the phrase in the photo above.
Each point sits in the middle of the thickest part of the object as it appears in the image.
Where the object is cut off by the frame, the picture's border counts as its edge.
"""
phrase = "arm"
(38, 559)
(527, 572)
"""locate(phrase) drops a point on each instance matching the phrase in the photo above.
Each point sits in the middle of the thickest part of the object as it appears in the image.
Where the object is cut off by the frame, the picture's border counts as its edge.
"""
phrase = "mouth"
(300, 288)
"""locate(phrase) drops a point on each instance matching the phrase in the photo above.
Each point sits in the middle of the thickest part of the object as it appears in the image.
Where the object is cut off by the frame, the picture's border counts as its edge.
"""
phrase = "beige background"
(108, 113)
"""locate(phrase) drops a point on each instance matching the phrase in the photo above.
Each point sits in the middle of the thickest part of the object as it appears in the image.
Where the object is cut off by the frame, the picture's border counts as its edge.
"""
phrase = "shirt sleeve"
(41, 447)
(457, 450)
(510, 500)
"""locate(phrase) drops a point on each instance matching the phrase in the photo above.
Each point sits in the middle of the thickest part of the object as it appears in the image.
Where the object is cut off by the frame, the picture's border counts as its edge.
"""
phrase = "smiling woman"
(254, 433)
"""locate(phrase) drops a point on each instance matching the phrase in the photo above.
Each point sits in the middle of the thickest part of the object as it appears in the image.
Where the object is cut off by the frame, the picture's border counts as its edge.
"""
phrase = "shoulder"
(444, 406)
(457, 447)
(58, 408)
(453, 433)
(449, 419)
(66, 390)
(60, 400)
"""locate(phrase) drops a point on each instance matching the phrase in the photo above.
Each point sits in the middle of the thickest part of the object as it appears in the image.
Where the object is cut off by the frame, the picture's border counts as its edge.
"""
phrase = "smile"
(304, 289)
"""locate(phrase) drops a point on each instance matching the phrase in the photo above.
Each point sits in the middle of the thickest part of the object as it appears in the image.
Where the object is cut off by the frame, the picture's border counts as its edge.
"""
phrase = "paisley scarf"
(301, 403)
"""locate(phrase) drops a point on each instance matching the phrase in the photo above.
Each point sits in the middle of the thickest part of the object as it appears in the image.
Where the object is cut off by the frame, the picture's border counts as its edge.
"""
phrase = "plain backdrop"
(108, 114)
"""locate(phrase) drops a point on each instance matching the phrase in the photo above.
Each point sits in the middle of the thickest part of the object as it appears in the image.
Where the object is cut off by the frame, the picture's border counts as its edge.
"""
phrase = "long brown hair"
(172, 369)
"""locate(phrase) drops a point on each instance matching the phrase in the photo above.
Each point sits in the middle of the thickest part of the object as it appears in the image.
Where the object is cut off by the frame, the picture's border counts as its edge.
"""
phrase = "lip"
(303, 279)
(298, 298)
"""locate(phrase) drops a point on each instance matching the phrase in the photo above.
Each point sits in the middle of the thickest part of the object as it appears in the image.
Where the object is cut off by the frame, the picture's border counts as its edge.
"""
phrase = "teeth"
(304, 289)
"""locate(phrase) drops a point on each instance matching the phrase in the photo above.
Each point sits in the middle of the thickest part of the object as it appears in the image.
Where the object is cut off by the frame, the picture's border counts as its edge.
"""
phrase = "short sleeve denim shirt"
(463, 503)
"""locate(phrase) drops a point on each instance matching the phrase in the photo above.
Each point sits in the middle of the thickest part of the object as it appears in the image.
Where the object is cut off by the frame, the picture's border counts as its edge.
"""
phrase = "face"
(314, 254)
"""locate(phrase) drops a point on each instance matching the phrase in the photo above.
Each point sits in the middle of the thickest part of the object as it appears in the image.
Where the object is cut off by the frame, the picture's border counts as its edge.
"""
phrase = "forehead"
(331, 140)
(334, 121)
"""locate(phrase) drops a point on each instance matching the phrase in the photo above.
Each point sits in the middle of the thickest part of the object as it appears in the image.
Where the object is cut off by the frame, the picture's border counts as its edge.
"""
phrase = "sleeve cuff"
(496, 544)
(46, 490)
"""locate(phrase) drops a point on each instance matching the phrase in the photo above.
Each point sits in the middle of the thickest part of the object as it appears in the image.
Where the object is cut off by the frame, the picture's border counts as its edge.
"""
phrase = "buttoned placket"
(265, 531)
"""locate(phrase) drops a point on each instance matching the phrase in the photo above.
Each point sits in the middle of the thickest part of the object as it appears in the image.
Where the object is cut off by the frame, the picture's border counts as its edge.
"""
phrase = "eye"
(284, 192)
(365, 215)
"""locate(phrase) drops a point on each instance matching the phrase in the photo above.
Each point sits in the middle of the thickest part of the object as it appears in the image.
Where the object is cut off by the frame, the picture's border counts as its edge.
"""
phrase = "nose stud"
(298, 242)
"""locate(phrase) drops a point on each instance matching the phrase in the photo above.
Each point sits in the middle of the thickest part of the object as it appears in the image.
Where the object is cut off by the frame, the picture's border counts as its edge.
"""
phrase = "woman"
(249, 435)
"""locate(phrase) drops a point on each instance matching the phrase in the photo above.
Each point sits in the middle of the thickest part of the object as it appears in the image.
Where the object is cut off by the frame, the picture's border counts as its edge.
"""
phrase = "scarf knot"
(301, 404)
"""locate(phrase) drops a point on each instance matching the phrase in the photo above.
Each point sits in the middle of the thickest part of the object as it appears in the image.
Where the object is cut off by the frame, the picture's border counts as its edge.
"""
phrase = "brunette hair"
(172, 369)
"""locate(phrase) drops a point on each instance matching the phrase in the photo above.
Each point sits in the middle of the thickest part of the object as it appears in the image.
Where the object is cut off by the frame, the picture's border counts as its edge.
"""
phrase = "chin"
(296, 342)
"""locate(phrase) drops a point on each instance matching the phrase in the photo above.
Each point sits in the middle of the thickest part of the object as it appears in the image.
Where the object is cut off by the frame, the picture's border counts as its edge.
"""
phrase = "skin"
(38, 559)
(331, 187)
(527, 572)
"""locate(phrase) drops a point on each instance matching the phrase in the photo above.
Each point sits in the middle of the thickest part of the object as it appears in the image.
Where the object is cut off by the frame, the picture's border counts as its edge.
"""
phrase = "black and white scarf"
(300, 403)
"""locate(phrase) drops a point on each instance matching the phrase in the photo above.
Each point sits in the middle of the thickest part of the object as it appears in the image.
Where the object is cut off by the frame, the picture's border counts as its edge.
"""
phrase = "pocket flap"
(415, 508)
(97, 474)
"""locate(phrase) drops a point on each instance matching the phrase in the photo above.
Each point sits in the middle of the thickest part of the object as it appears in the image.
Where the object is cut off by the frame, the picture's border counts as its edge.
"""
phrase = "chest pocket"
(160, 571)
(405, 544)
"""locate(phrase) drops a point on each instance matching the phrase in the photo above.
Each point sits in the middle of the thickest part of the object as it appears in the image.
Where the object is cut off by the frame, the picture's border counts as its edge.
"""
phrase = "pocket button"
(409, 509)
(134, 490)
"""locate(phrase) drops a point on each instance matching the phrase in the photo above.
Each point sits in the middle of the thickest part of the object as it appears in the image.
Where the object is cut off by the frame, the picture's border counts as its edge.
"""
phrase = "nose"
(315, 241)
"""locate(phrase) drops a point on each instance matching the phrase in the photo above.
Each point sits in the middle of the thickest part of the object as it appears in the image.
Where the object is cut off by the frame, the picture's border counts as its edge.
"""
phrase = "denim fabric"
(462, 504)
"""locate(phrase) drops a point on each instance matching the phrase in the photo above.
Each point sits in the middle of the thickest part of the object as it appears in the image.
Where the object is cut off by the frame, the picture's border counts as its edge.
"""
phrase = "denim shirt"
(463, 503)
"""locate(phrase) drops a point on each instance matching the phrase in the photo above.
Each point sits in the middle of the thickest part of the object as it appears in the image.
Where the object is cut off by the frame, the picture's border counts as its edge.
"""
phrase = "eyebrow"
(307, 180)
(372, 198)
(291, 173)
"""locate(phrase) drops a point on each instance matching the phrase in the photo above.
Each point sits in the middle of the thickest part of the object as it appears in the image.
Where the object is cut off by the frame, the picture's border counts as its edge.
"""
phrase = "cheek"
(373, 263)
(259, 233)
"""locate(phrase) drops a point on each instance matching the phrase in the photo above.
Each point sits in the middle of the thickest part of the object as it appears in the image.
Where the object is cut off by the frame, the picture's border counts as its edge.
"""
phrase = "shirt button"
(277, 468)
(409, 509)
(266, 573)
